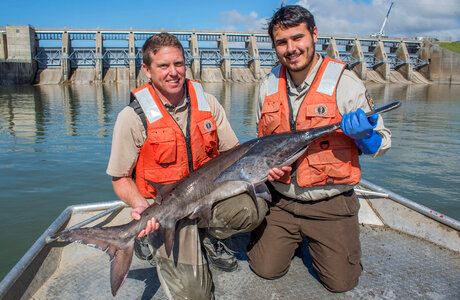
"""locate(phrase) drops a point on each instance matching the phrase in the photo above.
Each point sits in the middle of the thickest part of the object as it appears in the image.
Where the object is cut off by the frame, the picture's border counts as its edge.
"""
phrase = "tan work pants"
(332, 229)
(185, 275)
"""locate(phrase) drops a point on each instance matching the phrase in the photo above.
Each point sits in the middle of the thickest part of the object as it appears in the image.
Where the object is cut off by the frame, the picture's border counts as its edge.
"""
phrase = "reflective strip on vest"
(150, 108)
(203, 104)
(272, 86)
(330, 78)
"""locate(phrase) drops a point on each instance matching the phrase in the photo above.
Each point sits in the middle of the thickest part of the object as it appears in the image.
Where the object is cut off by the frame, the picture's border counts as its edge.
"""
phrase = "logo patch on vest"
(208, 125)
(321, 110)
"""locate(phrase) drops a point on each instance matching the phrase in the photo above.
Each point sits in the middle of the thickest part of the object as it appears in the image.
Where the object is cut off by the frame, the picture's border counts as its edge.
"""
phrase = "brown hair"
(158, 41)
(291, 16)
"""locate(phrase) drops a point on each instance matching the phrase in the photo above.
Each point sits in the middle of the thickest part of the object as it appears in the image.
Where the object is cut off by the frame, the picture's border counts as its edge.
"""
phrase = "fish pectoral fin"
(261, 190)
(119, 268)
(203, 212)
(229, 189)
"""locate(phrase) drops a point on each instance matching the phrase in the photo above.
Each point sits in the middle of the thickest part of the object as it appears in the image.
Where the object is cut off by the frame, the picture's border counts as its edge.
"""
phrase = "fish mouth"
(296, 156)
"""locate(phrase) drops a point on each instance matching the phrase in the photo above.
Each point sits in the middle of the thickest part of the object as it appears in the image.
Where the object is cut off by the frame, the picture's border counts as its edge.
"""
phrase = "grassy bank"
(452, 46)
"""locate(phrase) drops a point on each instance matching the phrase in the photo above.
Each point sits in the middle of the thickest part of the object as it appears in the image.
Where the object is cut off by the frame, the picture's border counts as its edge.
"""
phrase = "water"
(55, 144)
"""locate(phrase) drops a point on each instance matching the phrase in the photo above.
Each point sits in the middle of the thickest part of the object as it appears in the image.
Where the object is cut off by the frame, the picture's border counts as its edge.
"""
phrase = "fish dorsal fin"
(161, 189)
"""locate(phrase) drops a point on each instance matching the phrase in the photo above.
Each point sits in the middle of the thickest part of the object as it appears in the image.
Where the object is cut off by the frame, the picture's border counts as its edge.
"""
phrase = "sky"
(408, 18)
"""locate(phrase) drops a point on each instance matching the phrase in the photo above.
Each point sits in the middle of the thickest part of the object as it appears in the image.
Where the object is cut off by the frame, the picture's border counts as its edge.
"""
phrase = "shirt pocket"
(164, 145)
(208, 131)
(270, 118)
(320, 114)
(330, 166)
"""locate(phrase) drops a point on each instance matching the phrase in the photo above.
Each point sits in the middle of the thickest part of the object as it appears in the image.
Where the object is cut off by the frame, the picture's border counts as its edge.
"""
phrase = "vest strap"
(330, 78)
(134, 104)
(150, 108)
(272, 86)
(203, 104)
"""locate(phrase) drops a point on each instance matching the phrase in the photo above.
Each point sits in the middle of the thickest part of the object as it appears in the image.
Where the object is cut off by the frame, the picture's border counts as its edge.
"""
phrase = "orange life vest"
(332, 159)
(167, 155)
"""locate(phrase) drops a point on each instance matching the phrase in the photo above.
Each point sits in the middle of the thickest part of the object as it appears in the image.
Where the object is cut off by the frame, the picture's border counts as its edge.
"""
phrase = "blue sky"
(408, 18)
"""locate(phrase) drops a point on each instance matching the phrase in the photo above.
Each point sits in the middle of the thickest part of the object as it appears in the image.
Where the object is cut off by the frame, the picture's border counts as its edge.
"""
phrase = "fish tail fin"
(106, 239)
(119, 268)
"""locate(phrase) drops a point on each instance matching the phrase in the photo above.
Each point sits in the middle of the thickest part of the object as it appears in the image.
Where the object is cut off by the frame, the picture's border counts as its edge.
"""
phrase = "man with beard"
(314, 198)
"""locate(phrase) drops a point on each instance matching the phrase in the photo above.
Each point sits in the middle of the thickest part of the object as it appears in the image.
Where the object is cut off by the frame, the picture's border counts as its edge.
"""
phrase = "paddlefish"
(243, 169)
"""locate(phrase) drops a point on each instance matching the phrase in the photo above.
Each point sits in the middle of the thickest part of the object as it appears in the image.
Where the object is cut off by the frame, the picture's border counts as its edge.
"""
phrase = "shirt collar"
(307, 82)
(182, 103)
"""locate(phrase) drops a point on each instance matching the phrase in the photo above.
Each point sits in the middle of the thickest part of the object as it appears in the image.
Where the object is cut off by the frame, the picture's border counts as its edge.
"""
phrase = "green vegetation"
(452, 46)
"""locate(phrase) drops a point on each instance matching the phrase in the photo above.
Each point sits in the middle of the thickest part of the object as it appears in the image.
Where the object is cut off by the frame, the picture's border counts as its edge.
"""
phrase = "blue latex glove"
(369, 144)
(360, 128)
(356, 125)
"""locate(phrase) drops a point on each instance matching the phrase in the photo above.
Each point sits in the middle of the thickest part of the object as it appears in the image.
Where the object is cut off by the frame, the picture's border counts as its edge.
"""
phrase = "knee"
(254, 212)
(343, 282)
(266, 270)
(249, 214)
(340, 286)
(183, 281)
(193, 289)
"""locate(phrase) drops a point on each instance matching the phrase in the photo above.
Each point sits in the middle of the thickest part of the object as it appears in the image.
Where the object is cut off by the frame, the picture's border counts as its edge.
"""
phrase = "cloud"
(408, 18)
(233, 20)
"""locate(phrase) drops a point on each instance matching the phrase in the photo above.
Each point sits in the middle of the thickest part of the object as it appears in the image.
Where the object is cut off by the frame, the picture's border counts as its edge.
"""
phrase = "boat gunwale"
(43, 240)
(426, 211)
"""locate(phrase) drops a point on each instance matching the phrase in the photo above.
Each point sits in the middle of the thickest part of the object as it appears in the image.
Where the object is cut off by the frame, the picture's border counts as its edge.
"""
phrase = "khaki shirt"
(351, 95)
(129, 134)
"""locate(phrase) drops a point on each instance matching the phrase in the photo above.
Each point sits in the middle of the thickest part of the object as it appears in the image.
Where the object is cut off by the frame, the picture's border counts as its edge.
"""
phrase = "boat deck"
(396, 265)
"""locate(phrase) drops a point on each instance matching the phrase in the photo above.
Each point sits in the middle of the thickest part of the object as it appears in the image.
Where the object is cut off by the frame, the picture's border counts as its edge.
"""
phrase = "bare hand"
(152, 224)
(276, 173)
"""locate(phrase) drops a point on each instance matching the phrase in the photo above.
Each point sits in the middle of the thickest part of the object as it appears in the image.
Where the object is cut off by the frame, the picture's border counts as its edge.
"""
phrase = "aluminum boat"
(409, 252)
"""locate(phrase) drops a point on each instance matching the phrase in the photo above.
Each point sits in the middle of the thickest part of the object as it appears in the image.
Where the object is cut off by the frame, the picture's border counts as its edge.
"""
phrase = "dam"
(51, 56)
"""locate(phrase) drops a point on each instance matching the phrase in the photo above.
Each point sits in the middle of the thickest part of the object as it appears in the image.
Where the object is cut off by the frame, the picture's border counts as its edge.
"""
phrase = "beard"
(300, 67)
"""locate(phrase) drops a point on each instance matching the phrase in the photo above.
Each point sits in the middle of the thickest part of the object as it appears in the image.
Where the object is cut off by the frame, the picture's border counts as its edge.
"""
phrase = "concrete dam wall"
(210, 57)
(444, 65)
(113, 75)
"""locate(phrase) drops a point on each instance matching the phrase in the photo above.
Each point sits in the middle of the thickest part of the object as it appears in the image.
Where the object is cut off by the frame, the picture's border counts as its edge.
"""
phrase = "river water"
(55, 144)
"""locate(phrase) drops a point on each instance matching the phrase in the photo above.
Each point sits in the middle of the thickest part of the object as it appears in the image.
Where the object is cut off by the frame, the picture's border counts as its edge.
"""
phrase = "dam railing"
(239, 56)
